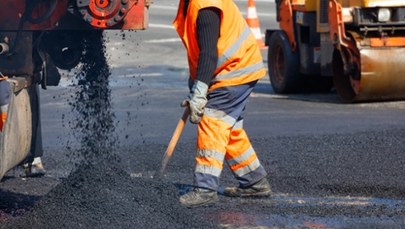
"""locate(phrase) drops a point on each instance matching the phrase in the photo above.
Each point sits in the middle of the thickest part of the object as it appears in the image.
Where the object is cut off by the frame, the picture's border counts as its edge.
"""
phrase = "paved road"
(331, 164)
(321, 154)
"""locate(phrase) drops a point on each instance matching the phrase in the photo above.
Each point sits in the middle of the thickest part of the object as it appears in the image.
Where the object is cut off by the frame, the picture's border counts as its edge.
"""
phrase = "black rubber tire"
(284, 65)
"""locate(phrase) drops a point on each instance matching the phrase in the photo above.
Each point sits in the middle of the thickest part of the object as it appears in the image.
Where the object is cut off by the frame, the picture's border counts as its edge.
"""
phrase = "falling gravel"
(94, 120)
(98, 193)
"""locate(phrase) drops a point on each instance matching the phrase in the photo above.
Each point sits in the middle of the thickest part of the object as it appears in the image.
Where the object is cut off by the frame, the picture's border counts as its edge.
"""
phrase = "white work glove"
(196, 101)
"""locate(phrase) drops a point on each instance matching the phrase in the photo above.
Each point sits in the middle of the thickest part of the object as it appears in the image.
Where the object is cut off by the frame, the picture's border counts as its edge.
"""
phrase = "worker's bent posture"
(225, 64)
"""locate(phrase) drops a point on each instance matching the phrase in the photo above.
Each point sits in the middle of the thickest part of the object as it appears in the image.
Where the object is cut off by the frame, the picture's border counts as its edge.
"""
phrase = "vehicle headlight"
(384, 15)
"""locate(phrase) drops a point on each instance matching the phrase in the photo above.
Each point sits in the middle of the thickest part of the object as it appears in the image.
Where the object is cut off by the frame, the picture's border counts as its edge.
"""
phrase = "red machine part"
(12, 12)
(101, 14)
(137, 15)
(122, 14)
(287, 22)
(104, 13)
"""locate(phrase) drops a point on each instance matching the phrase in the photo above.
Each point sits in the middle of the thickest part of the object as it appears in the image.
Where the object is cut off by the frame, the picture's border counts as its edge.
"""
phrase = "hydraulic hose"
(27, 16)
(43, 17)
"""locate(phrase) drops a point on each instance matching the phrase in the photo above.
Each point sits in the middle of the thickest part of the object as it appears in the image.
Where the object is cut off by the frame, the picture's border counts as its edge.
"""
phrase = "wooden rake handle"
(173, 141)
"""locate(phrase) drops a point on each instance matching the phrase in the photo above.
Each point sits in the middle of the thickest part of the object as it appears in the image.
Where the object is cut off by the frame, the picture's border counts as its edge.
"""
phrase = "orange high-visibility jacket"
(239, 57)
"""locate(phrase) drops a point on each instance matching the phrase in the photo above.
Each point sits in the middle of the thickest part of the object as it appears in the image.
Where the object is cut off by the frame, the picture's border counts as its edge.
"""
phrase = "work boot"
(34, 169)
(258, 189)
(199, 197)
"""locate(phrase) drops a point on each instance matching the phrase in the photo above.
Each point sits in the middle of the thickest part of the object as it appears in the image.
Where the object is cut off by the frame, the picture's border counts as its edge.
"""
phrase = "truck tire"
(283, 65)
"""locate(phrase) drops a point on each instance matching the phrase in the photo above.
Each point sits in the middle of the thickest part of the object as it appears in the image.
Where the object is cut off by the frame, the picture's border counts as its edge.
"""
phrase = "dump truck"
(37, 36)
(356, 47)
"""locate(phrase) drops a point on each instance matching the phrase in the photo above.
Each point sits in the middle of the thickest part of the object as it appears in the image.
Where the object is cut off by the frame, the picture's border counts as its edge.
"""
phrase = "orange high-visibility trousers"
(221, 138)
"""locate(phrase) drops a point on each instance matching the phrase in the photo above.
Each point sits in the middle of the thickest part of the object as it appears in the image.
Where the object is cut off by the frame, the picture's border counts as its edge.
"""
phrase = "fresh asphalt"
(331, 165)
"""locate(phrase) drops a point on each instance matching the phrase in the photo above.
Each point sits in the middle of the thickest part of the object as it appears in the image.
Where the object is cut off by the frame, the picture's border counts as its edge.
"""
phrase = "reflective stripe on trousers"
(221, 137)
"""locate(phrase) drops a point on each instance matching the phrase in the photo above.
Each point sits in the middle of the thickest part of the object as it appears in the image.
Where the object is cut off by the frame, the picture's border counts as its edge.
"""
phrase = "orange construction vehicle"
(36, 35)
(357, 46)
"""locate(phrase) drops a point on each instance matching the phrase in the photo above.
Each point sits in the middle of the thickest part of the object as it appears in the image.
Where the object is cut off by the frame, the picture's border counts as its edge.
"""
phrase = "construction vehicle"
(355, 46)
(37, 36)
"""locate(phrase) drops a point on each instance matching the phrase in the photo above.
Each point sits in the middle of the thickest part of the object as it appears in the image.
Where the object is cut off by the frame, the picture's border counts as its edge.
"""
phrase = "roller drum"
(382, 74)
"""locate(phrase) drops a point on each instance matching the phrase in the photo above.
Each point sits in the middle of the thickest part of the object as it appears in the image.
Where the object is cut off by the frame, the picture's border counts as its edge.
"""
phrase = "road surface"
(331, 165)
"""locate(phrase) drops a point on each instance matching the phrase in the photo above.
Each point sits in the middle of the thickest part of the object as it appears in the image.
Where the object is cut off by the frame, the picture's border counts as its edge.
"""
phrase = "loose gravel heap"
(102, 196)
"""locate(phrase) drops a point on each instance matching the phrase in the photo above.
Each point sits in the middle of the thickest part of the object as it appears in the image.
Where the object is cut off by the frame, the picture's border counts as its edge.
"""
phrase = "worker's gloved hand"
(196, 101)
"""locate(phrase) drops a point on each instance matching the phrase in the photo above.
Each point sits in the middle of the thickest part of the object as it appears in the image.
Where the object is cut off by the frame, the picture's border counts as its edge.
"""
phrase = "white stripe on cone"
(251, 13)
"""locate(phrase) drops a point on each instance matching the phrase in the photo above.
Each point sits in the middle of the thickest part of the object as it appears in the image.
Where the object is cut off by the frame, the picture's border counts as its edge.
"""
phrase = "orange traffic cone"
(253, 22)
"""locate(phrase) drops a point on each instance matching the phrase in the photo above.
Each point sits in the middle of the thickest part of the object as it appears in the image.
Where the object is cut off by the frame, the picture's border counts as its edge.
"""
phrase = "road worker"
(225, 64)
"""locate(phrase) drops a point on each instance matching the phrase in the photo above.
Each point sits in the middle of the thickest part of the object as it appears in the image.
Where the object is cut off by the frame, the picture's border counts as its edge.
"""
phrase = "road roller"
(353, 47)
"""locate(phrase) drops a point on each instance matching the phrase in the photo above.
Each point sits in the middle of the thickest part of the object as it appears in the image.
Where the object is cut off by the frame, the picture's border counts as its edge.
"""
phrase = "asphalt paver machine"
(38, 36)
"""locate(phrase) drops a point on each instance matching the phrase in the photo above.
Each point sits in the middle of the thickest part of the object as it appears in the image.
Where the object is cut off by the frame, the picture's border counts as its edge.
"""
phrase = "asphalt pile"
(96, 196)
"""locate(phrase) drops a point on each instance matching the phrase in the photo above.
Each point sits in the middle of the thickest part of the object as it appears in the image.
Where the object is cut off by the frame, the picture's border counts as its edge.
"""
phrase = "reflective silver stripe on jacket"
(213, 113)
(234, 47)
(243, 71)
